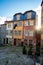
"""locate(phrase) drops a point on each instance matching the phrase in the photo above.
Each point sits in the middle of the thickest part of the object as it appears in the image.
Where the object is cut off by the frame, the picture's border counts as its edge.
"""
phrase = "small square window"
(19, 32)
(9, 25)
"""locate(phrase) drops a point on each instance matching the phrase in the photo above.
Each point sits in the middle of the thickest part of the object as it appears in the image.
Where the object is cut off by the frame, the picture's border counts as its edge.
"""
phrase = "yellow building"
(18, 31)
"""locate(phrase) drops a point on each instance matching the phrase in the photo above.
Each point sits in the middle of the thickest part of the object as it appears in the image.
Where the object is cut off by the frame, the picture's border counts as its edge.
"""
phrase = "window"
(28, 33)
(26, 23)
(31, 33)
(25, 33)
(28, 15)
(18, 17)
(20, 24)
(19, 32)
(15, 32)
(9, 25)
(31, 22)
(9, 32)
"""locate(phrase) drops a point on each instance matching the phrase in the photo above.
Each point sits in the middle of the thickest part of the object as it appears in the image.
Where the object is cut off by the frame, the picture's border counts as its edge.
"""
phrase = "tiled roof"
(29, 11)
(18, 14)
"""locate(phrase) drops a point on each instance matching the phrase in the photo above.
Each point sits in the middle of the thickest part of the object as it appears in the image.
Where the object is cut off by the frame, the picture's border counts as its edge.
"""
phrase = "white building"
(3, 33)
(9, 29)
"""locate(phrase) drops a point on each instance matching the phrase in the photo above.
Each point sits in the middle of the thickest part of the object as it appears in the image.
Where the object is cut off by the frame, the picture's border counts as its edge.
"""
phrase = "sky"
(9, 7)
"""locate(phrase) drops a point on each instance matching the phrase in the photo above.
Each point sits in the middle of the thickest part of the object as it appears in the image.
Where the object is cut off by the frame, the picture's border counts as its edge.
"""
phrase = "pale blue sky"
(10, 7)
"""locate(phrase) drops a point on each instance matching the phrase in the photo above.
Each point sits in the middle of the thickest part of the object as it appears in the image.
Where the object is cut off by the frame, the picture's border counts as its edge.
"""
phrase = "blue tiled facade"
(21, 17)
(33, 15)
(14, 18)
(25, 16)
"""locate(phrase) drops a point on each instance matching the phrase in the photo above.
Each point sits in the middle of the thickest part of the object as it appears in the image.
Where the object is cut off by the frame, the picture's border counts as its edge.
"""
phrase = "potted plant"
(24, 49)
(30, 49)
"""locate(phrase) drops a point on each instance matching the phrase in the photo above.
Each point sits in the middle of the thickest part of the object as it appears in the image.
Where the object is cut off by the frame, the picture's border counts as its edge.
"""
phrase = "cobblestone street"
(13, 56)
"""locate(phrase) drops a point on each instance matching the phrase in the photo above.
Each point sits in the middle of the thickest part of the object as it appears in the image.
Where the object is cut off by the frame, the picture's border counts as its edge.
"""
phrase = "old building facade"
(42, 23)
(9, 29)
(21, 29)
(3, 33)
(24, 32)
(29, 26)
(18, 31)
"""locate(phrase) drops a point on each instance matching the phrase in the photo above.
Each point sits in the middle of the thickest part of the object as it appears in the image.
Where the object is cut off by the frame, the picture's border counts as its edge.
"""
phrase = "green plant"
(30, 49)
(24, 50)
(37, 51)
(7, 62)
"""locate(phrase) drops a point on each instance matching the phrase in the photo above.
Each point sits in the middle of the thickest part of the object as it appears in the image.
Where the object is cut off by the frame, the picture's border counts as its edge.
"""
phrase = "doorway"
(6, 40)
(14, 41)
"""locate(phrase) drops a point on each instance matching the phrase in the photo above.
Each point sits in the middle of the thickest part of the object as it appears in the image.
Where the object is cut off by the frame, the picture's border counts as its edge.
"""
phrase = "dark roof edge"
(9, 21)
(29, 11)
(17, 14)
(24, 12)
